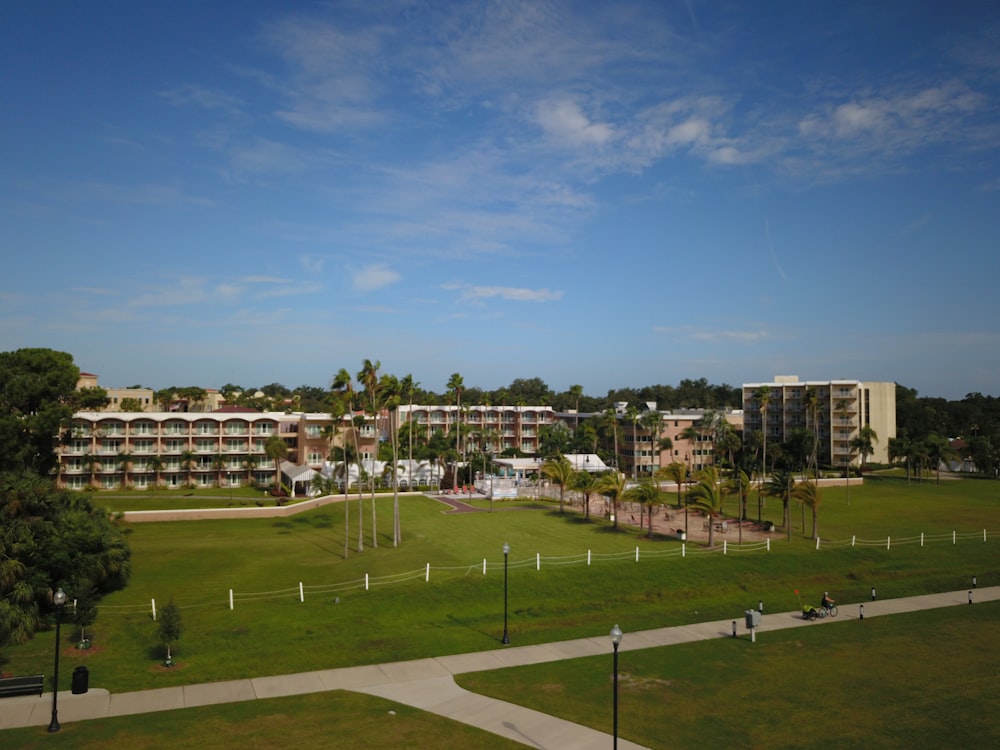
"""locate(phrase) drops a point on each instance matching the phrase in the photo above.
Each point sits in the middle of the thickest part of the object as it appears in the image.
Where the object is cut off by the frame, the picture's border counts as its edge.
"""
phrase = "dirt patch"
(668, 520)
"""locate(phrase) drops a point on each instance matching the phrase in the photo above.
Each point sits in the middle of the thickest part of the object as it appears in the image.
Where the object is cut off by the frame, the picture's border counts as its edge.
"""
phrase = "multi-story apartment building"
(639, 443)
(492, 429)
(226, 448)
(834, 409)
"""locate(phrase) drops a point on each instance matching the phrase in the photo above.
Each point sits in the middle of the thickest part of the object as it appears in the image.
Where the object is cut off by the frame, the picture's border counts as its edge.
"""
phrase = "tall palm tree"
(406, 386)
(633, 415)
(763, 397)
(369, 379)
(807, 493)
(611, 421)
(125, 460)
(391, 389)
(691, 434)
(647, 493)
(218, 464)
(676, 472)
(455, 386)
(187, 463)
(780, 485)
(276, 449)
(652, 422)
(612, 486)
(739, 485)
(812, 410)
(560, 472)
(343, 384)
(706, 495)
(575, 392)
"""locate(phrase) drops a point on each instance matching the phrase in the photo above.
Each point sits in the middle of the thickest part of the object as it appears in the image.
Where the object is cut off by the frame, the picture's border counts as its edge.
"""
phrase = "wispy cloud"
(702, 334)
(473, 293)
(374, 277)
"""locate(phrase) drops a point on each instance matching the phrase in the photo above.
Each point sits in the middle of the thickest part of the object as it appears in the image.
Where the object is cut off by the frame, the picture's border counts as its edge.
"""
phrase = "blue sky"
(611, 194)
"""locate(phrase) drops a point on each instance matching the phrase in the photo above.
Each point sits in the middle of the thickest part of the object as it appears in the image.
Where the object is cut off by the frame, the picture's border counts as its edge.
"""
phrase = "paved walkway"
(429, 684)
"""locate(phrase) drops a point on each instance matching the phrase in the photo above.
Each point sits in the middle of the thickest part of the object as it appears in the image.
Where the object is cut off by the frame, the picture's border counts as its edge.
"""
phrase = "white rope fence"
(537, 562)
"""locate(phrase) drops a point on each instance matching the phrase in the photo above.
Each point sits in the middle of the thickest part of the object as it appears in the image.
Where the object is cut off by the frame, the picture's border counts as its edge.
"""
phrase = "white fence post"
(683, 549)
(427, 573)
(953, 537)
(768, 544)
(637, 554)
(854, 538)
(888, 541)
(817, 542)
(484, 566)
(230, 600)
(588, 552)
(921, 539)
(153, 602)
(725, 542)
(538, 561)
(302, 593)
(366, 581)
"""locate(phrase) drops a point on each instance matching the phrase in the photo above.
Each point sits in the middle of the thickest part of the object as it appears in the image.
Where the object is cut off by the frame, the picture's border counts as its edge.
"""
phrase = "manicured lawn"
(335, 720)
(402, 616)
(920, 680)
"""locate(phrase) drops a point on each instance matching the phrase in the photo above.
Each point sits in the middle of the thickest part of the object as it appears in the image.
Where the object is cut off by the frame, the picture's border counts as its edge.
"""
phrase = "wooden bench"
(28, 685)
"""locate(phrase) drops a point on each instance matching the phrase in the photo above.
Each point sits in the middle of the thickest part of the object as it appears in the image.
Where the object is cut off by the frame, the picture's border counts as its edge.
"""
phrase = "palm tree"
(612, 486)
(575, 392)
(739, 485)
(706, 495)
(344, 385)
(585, 483)
(691, 434)
(807, 493)
(155, 463)
(633, 415)
(560, 472)
(763, 396)
(863, 444)
(276, 449)
(126, 459)
(812, 409)
(611, 420)
(939, 451)
(369, 378)
(652, 421)
(218, 464)
(187, 463)
(391, 390)
(781, 484)
(406, 387)
(675, 472)
(455, 386)
(646, 493)
(92, 463)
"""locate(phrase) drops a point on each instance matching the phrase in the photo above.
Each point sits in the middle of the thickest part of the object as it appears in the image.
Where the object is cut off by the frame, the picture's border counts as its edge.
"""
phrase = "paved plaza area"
(429, 684)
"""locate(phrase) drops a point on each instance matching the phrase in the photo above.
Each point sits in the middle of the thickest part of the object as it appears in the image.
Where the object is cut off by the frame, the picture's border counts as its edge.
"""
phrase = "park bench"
(28, 685)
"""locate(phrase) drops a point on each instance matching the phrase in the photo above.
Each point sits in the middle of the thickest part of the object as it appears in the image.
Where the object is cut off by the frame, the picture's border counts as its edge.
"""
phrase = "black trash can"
(81, 678)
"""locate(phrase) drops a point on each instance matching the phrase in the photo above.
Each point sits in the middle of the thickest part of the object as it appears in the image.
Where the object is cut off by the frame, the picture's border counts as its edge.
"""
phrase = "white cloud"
(565, 121)
(374, 277)
(471, 293)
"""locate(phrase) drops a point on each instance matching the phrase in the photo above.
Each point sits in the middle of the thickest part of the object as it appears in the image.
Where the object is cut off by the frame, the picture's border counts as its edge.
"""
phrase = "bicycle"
(819, 613)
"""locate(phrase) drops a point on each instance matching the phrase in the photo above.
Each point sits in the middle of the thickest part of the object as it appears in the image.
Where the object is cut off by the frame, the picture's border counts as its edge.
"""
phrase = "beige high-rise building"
(835, 409)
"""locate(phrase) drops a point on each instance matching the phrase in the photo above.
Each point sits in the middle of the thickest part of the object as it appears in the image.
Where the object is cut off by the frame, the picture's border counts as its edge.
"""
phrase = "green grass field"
(460, 609)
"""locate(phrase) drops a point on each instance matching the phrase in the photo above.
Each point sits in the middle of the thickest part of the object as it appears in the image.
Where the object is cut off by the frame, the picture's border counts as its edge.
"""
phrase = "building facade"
(835, 410)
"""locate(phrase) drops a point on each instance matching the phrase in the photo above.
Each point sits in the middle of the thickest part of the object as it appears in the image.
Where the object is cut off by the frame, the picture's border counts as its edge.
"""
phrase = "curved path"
(429, 684)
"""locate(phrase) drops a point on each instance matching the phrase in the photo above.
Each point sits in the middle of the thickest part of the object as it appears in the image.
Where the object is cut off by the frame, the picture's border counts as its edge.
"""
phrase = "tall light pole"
(59, 599)
(506, 551)
(616, 639)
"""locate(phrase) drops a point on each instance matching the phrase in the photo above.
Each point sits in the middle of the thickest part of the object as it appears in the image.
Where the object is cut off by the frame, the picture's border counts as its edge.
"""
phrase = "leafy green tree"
(130, 404)
(92, 398)
(939, 451)
(36, 403)
(560, 472)
(85, 610)
(169, 628)
(51, 537)
(739, 484)
(707, 496)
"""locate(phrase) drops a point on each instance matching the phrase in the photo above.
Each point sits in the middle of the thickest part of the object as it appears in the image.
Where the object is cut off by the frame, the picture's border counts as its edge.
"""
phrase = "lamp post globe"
(59, 600)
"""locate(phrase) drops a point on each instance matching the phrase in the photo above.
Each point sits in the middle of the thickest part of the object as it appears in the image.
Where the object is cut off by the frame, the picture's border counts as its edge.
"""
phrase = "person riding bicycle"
(827, 602)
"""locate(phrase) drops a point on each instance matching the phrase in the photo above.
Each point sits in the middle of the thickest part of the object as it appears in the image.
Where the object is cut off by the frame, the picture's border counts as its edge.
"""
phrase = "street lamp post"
(506, 552)
(59, 599)
(616, 639)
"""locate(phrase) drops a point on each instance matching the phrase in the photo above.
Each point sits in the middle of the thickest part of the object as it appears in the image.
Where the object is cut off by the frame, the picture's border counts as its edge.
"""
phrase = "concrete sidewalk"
(428, 684)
